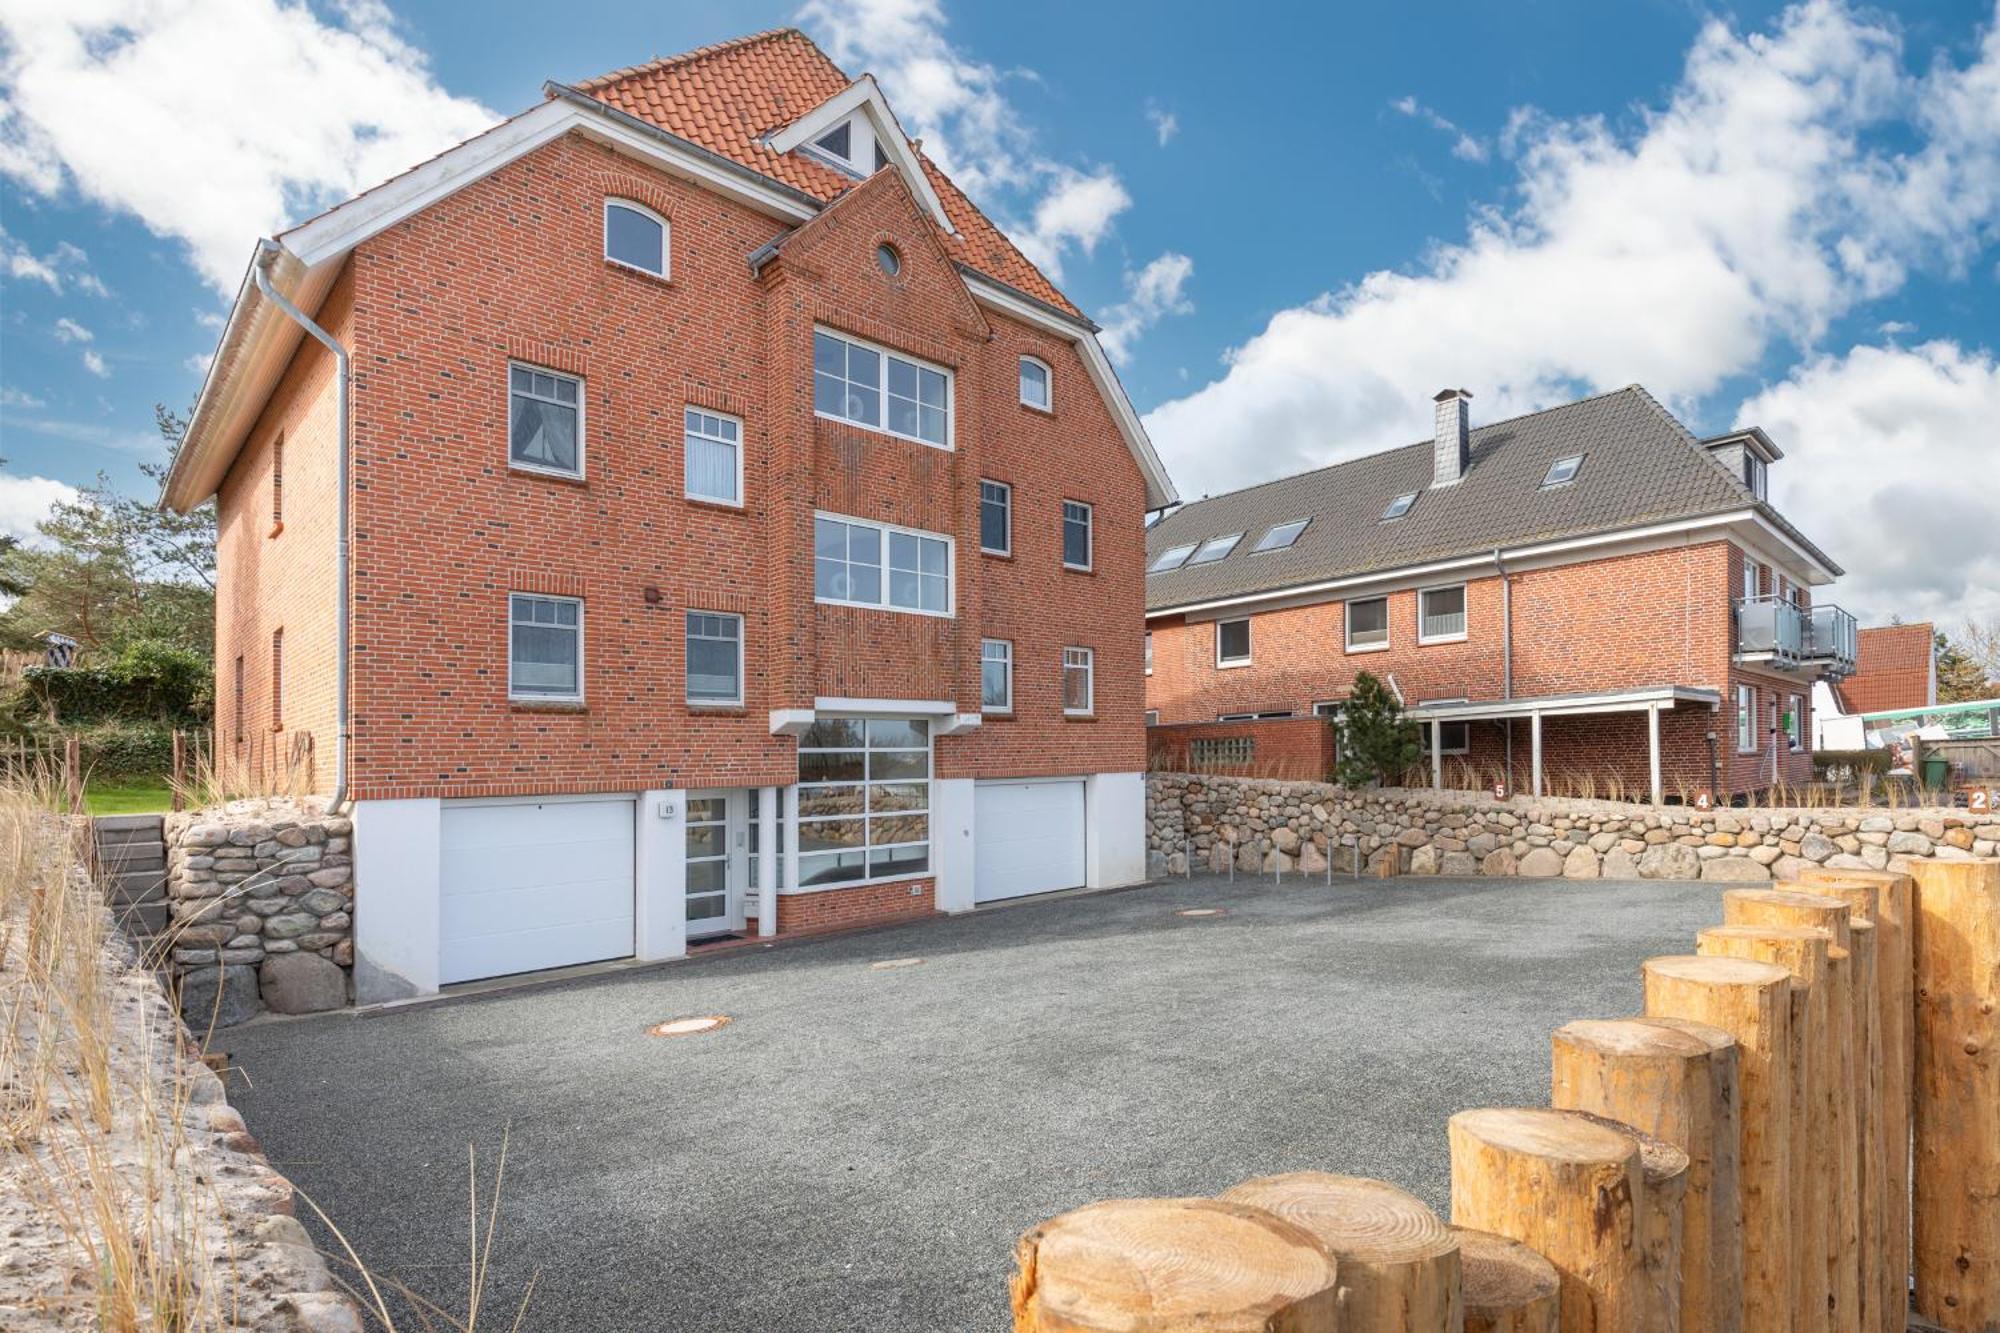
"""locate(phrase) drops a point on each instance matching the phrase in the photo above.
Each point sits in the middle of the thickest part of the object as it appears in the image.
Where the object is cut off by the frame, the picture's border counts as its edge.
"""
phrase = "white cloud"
(1465, 146)
(1151, 294)
(12, 397)
(93, 362)
(198, 363)
(272, 110)
(1766, 198)
(958, 106)
(26, 501)
(1885, 449)
(69, 331)
(94, 434)
(1164, 122)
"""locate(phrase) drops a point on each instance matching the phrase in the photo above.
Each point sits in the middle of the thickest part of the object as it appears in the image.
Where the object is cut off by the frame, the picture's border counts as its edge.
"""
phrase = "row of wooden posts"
(1806, 1116)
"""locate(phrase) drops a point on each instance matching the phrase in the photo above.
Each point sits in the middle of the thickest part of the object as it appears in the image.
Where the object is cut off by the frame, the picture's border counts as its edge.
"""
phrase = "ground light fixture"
(689, 1027)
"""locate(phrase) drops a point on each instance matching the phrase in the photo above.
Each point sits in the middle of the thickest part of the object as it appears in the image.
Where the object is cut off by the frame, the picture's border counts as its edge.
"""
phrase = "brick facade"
(1634, 621)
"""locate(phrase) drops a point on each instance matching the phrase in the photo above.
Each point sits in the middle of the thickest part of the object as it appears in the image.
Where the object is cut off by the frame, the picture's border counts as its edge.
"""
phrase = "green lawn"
(140, 796)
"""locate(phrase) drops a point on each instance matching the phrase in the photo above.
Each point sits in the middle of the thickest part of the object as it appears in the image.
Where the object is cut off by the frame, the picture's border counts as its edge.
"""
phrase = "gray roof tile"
(1640, 465)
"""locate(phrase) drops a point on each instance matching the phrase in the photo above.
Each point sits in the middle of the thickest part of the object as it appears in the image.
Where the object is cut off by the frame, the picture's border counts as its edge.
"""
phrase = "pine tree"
(1960, 677)
(1377, 743)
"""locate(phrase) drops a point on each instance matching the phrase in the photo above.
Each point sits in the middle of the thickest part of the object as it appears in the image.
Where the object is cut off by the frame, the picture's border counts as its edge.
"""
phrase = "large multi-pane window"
(864, 800)
(713, 445)
(996, 675)
(870, 387)
(996, 517)
(714, 658)
(545, 647)
(868, 564)
(544, 421)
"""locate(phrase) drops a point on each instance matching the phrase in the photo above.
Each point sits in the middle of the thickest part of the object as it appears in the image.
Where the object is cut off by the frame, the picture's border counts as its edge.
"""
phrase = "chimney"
(1451, 447)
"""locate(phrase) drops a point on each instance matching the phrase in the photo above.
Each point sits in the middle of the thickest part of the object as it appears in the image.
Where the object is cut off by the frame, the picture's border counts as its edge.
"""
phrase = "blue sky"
(1293, 231)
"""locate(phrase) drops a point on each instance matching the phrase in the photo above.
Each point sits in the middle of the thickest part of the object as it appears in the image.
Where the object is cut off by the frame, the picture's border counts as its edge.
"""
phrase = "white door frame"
(735, 859)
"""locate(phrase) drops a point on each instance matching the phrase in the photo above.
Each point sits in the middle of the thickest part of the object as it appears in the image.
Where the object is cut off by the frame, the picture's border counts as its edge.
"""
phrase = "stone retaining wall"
(262, 898)
(1262, 825)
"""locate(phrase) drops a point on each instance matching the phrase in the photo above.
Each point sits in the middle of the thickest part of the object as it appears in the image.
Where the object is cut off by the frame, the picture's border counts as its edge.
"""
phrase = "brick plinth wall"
(871, 904)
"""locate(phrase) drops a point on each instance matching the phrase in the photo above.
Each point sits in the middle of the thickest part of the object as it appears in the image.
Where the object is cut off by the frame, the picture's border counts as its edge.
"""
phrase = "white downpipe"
(268, 250)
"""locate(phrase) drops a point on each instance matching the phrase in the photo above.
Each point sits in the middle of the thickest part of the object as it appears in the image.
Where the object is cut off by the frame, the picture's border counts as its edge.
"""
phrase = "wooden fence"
(271, 764)
(1805, 1116)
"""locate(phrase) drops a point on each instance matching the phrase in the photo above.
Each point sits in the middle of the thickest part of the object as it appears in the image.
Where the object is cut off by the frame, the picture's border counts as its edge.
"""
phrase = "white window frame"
(1222, 662)
(1424, 739)
(1008, 658)
(882, 392)
(582, 423)
(1408, 500)
(1228, 541)
(1088, 663)
(1465, 611)
(1008, 489)
(1746, 719)
(1301, 523)
(1148, 651)
(950, 611)
(1152, 717)
(1089, 535)
(1187, 550)
(1752, 577)
(687, 671)
(1796, 734)
(687, 473)
(1327, 707)
(666, 237)
(1549, 479)
(865, 782)
(1269, 715)
(1347, 625)
(1048, 385)
(541, 698)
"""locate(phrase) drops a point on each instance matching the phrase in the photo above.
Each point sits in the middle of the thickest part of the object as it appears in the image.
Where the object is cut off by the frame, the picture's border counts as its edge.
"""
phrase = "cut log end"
(1157, 1264)
(1509, 1288)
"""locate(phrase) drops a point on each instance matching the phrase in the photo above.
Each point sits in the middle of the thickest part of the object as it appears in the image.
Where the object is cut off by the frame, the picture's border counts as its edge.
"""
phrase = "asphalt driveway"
(862, 1146)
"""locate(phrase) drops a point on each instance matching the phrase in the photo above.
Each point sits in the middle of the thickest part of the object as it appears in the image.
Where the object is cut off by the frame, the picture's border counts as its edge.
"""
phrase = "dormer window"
(635, 236)
(1754, 475)
(1399, 506)
(852, 147)
(838, 142)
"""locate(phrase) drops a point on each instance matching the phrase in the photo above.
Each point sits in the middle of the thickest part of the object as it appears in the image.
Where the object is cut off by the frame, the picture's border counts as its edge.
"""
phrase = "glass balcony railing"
(1832, 637)
(1788, 634)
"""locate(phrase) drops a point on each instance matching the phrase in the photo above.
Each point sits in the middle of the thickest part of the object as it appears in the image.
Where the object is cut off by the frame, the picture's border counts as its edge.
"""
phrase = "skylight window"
(1563, 470)
(1278, 538)
(1215, 548)
(1171, 558)
(1399, 506)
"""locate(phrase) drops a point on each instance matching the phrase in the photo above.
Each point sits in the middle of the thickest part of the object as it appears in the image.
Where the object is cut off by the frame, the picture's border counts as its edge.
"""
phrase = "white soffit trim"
(1160, 490)
(865, 96)
(886, 707)
(1564, 705)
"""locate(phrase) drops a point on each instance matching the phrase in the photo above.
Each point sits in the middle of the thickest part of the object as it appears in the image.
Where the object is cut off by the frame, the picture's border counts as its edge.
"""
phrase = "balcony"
(1778, 633)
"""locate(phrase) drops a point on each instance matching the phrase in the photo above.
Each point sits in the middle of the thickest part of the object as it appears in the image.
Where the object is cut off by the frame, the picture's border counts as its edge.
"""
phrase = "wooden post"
(1508, 1287)
(178, 783)
(1154, 1265)
(1566, 1187)
(1885, 898)
(1957, 1120)
(73, 773)
(1399, 1268)
(1871, 1151)
(1661, 1079)
(1838, 1072)
(1664, 1169)
(1751, 1001)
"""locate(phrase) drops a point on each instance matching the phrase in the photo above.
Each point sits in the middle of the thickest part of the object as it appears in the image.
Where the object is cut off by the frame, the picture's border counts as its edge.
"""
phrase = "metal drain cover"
(891, 964)
(1199, 911)
(688, 1027)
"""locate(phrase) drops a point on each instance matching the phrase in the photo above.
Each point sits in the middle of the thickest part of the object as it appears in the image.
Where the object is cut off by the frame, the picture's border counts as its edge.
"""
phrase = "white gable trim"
(1160, 490)
(865, 97)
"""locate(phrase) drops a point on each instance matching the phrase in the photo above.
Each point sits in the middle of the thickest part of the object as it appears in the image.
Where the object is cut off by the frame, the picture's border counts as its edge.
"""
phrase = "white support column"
(790, 879)
(1437, 755)
(1653, 750)
(767, 861)
(1535, 749)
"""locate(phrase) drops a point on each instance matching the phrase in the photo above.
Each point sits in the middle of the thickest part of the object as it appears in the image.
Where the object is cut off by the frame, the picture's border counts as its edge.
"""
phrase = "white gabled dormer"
(854, 132)
(1748, 455)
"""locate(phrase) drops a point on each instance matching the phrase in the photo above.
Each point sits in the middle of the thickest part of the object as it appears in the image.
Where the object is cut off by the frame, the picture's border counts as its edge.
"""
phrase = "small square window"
(1441, 615)
(1399, 506)
(1368, 623)
(1076, 535)
(713, 457)
(1215, 548)
(544, 421)
(1035, 390)
(1280, 537)
(1563, 470)
(714, 658)
(996, 517)
(996, 676)
(545, 647)
(1232, 642)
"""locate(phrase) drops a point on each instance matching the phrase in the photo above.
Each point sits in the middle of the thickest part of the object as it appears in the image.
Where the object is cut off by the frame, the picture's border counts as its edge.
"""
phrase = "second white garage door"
(1027, 838)
(534, 885)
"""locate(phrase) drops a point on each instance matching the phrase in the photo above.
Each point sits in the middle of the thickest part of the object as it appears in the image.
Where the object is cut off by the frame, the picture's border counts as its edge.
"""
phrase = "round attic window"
(886, 256)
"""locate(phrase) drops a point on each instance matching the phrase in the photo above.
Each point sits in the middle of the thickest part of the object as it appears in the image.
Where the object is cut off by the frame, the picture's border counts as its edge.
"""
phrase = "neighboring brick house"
(1583, 594)
(731, 504)
(1895, 669)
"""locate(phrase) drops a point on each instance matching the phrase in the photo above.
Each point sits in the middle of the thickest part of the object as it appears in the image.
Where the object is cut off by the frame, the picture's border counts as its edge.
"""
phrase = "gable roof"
(1640, 466)
(735, 98)
(705, 117)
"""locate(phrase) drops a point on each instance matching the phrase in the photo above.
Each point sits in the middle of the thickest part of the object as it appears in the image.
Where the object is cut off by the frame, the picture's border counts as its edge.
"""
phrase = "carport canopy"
(1651, 701)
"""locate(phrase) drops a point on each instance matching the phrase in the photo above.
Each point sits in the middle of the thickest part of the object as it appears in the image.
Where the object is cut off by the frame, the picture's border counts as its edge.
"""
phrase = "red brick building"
(712, 499)
(1896, 668)
(1588, 598)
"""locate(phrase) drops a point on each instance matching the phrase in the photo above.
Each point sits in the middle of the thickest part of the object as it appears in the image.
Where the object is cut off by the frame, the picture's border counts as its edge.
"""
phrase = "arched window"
(1035, 391)
(635, 236)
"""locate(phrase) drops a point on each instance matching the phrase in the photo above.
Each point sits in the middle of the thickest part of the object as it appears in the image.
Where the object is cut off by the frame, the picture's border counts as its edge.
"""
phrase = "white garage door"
(529, 886)
(1027, 838)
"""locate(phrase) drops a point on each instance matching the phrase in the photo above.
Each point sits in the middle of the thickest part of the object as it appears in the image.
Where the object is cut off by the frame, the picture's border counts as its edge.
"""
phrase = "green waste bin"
(1936, 770)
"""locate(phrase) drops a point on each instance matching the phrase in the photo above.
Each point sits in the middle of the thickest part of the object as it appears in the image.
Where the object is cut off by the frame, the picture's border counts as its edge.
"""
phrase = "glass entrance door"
(715, 863)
